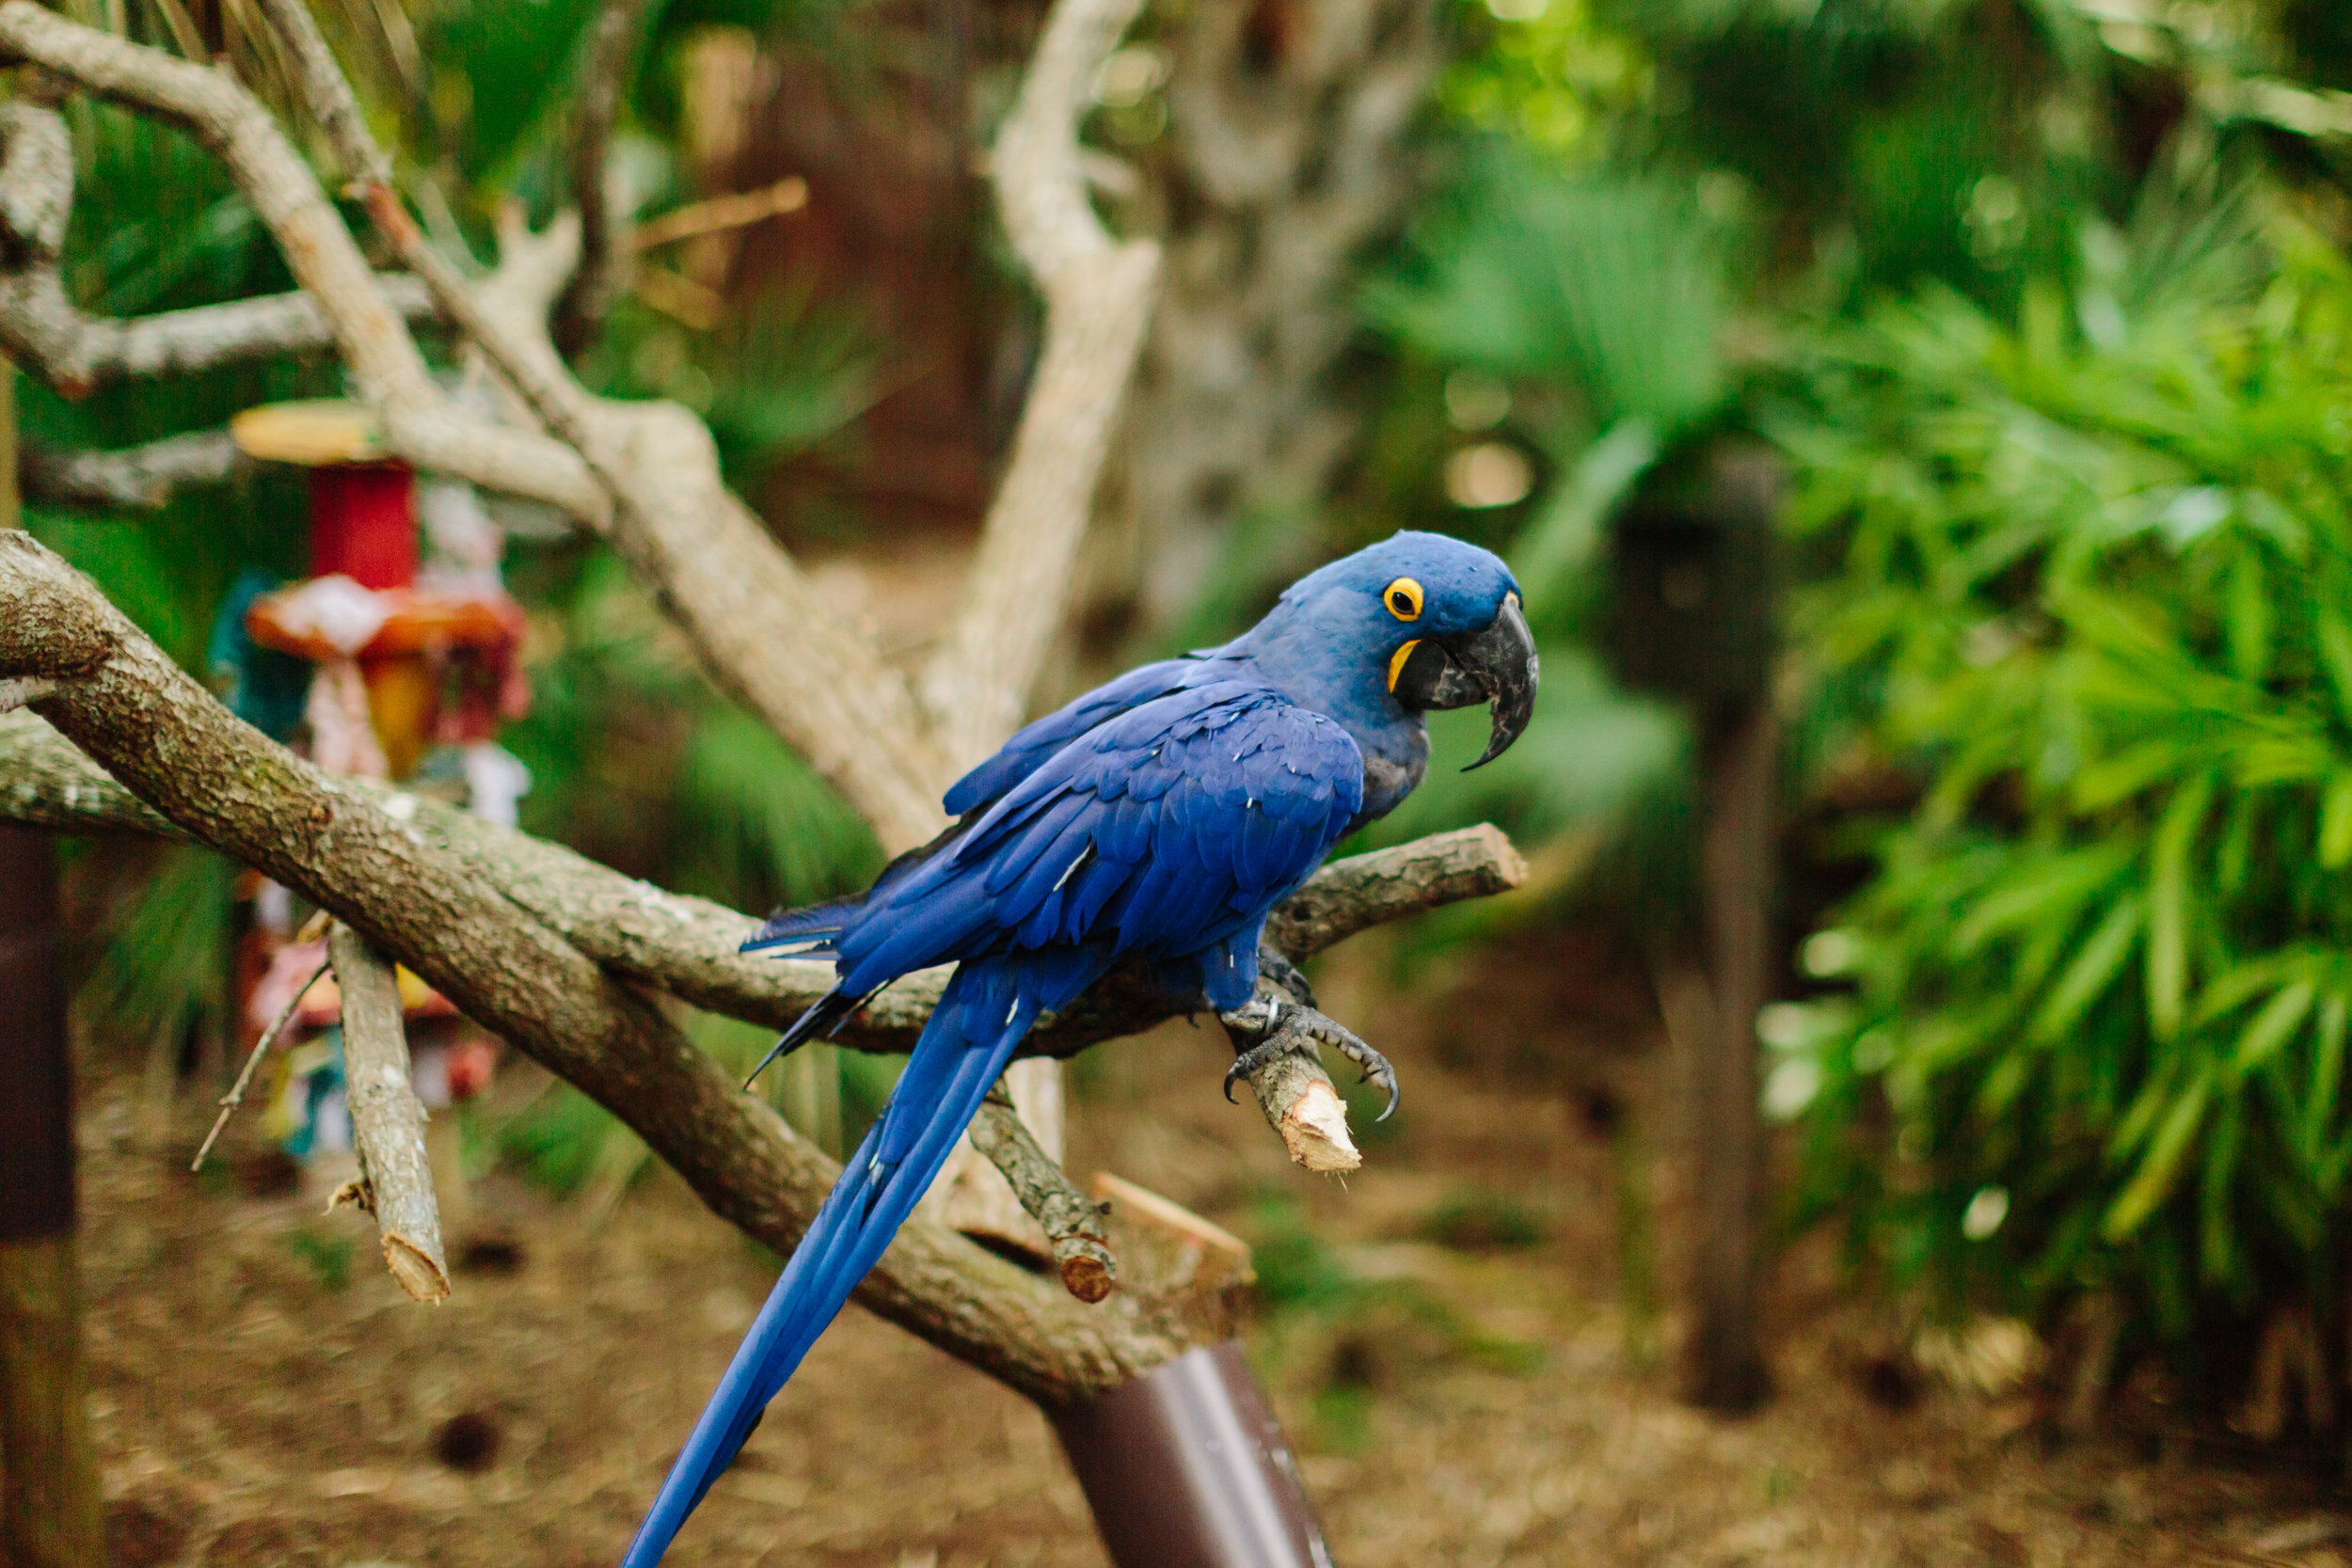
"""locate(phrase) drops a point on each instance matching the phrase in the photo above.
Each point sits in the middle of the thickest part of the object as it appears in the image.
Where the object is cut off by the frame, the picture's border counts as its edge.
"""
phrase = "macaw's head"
(1435, 621)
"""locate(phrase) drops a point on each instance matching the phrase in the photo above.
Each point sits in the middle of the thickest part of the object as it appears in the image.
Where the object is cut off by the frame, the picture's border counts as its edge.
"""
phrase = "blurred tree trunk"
(49, 1513)
(1725, 1365)
(1284, 158)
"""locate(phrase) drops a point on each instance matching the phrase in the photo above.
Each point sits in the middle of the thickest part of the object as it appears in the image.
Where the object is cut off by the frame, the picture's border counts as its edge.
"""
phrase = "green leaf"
(2051, 889)
(2272, 1027)
(2335, 656)
(2168, 905)
(2319, 1101)
(2249, 623)
(2092, 970)
(2335, 822)
(2158, 1171)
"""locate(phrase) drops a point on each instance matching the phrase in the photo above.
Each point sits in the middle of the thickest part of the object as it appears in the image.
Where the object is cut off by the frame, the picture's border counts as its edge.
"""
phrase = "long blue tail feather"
(987, 1005)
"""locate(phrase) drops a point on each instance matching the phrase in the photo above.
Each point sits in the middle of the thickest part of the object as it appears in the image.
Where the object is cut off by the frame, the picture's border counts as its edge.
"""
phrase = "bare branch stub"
(1072, 1223)
(387, 1118)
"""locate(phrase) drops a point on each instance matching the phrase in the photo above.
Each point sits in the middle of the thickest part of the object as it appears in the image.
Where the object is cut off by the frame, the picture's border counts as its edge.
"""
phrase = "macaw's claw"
(1273, 967)
(1246, 1065)
(1281, 1027)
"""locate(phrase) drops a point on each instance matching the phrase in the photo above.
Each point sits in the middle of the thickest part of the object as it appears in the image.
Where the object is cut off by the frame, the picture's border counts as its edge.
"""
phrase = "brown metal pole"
(1725, 1367)
(50, 1511)
(1186, 1467)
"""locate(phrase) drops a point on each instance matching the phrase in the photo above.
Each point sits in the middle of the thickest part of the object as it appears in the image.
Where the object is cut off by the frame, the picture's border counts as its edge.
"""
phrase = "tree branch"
(387, 1118)
(604, 260)
(129, 479)
(687, 946)
(654, 473)
(1098, 301)
(40, 326)
(386, 369)
(146, 723)
(17, 691)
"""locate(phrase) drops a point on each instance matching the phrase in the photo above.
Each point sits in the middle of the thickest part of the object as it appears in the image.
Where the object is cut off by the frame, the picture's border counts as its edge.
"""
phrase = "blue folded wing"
(1162, 832)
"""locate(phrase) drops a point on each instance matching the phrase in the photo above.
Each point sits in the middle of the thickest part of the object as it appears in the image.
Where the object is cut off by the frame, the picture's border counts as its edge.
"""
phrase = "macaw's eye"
(1402, 598)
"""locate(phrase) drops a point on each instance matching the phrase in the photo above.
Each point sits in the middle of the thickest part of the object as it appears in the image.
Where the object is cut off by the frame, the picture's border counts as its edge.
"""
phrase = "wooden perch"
(1072, 1222)
(387, 1118)
(1305, 1110)
(137, 715)
(687, 946)
(531, 940)
(646, 474)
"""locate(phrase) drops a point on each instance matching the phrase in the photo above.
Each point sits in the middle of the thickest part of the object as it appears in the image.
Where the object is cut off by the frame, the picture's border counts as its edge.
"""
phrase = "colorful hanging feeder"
(439, 664)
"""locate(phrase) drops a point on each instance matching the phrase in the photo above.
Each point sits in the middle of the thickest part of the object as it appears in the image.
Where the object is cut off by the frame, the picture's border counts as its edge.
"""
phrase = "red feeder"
(363, 503)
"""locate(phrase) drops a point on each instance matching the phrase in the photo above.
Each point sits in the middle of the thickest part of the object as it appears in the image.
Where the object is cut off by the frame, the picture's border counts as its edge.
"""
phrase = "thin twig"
(141, 478)
(235, 1097)
(736, 211)
(613, 48)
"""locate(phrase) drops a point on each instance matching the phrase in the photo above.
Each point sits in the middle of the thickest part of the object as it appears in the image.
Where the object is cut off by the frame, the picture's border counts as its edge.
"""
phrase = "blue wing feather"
(1033, 745)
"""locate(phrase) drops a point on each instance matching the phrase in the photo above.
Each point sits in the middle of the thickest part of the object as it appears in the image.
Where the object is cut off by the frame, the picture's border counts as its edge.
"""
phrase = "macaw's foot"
(1282, 1027)
(1272, 966)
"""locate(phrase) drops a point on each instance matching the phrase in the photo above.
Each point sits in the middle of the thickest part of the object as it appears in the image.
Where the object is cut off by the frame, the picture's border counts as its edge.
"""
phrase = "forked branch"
(475, 911)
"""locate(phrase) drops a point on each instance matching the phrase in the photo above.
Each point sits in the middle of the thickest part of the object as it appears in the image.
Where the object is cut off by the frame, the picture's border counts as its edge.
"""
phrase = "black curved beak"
(1497, 666)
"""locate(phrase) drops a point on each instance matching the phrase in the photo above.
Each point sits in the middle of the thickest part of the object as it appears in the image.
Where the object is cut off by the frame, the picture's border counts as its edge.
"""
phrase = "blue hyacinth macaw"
(1158, 818)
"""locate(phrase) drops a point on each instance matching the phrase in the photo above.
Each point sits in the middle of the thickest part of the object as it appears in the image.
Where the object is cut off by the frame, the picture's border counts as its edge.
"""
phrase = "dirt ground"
(1455, 1339)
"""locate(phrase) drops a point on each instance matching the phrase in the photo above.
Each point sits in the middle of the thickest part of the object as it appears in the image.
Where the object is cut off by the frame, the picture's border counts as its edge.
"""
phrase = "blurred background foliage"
(2042, 306)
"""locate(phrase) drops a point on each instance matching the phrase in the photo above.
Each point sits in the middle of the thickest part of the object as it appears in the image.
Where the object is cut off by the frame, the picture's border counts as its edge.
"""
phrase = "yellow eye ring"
(1402, 598)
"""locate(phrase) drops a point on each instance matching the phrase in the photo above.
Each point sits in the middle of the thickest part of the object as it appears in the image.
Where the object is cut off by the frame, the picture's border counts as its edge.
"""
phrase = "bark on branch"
(387, 1118)
(130, 479)
(1072, 1221)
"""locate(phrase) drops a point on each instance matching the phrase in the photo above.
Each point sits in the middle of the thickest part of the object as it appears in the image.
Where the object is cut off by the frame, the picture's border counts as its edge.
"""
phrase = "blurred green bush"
(2084, 578)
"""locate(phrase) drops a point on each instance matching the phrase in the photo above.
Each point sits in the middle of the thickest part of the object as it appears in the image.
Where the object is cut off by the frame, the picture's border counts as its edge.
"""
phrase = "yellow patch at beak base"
(1397, 661)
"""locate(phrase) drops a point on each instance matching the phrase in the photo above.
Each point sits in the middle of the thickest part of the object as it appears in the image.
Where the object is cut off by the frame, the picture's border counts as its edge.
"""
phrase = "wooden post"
(1726, 1366)
(1692, 615)
(50, 1511)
